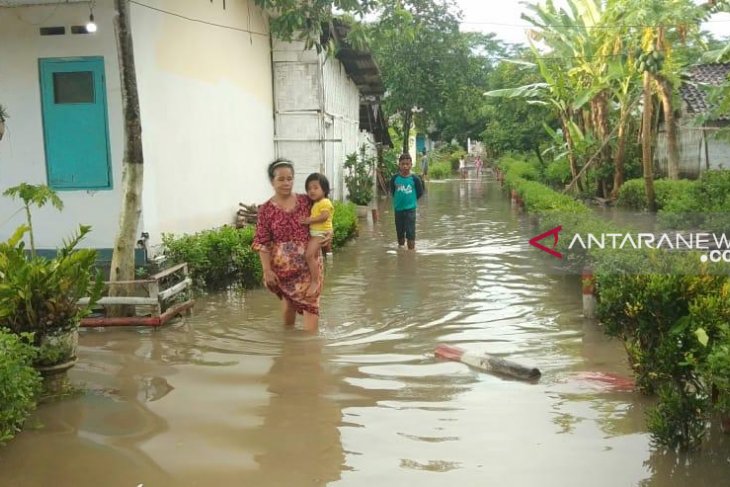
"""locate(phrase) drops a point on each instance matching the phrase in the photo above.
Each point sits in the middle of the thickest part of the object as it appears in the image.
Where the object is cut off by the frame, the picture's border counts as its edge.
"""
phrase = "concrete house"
(208, 89)
(700, 147)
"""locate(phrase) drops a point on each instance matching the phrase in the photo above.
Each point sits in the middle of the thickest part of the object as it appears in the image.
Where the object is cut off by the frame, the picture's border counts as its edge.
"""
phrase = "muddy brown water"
(228, 397)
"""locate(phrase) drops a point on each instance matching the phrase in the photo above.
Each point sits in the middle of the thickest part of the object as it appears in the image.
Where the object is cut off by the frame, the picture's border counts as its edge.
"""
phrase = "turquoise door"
(75, 129)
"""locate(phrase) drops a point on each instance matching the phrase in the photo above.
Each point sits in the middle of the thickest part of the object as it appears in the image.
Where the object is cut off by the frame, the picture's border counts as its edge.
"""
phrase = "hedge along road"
(229, 398)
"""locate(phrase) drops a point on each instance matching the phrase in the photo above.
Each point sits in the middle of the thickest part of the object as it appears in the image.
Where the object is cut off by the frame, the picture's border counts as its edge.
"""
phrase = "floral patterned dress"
(280, 232)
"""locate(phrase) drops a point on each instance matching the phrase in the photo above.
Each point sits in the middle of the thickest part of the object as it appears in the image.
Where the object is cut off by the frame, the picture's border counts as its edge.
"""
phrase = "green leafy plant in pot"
(359, 177)
(40, 295)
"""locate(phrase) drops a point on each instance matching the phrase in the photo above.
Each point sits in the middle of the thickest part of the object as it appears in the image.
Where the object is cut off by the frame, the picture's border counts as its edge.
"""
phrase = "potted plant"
(40, 295)
(3, 117)
(359, 178)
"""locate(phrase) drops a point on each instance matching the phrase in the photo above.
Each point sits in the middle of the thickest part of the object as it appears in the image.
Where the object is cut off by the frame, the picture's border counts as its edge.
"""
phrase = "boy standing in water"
(407, 189)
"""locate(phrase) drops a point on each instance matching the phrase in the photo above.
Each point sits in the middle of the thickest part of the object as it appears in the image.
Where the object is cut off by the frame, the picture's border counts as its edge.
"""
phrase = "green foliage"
(668, 193)
(40, 295)
(217, 258)
(678, 420)
(344, 223)
(683, 204)
(672, 316)
(711, 319)
(37, 195)
(20, 383)
(632, 195)
(389, 166)
(671, 312)
(446, 154)
(557, 173)
(514, 124)
(552, 208)
(359, 176)
(223, 256)
(305, 21)
(516, 168)
(425, 61)
(440, 170)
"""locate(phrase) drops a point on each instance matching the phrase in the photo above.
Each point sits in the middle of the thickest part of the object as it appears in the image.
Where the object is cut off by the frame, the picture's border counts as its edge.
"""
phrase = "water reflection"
(298, 442)
(94, 437)
(709, 468)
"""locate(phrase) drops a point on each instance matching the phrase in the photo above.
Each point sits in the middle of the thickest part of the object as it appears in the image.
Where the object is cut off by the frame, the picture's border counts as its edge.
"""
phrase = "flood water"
(228, 397)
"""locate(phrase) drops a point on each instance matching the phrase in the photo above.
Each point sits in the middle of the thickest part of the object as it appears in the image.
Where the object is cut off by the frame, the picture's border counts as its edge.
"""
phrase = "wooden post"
(374, 212)
(588, 285)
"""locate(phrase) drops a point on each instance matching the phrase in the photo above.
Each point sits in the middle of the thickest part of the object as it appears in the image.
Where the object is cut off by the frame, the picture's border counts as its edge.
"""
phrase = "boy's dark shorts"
(405, 224)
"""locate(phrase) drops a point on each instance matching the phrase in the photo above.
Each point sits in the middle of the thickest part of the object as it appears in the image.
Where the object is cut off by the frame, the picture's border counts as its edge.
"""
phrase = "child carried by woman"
(320, 223)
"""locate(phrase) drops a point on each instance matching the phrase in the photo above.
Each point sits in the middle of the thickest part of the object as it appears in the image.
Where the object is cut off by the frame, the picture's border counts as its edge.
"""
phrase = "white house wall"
(22, 156)
(206, 104)
(207, 111)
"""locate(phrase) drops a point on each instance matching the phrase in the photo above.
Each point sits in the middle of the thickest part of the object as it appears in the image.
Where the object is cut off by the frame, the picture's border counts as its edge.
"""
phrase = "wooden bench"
(160, 298)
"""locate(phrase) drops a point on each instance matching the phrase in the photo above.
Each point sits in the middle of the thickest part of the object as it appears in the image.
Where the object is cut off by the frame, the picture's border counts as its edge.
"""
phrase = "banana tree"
(575, 44)
(656, 27)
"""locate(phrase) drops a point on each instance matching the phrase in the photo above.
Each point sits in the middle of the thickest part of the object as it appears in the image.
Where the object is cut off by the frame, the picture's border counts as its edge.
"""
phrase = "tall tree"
(422, 57)
(658, 26)
(512, 124)
(122, 266)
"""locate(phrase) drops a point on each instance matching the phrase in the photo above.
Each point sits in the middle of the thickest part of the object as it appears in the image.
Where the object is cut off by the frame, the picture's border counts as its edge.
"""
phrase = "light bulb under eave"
(91, 26)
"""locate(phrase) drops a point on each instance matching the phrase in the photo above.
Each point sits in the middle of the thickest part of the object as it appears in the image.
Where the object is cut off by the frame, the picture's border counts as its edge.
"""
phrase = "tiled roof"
(692, 91)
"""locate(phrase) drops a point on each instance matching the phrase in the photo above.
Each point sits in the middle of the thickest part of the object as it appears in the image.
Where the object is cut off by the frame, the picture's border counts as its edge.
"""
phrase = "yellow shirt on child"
(317, 209)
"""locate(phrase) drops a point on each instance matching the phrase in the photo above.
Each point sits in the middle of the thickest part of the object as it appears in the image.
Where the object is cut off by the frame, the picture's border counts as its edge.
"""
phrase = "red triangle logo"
(535, 242)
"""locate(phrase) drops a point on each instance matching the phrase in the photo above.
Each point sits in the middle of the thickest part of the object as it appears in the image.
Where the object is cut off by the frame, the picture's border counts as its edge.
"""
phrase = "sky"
(503, 18)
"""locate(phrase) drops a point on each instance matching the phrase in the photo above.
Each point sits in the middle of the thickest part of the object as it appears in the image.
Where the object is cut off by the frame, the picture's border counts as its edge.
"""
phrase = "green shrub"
(20, 383)
(344, 223)
(671, 312)
(41, 295)
(223, 256)
(669, 194)
(703, 204)
(217, 258)
(446, 154)
(714, 189)
(440, 170)
(360, 167)
(632, 195)
(557, 174)
(388, 167)
(672, 316)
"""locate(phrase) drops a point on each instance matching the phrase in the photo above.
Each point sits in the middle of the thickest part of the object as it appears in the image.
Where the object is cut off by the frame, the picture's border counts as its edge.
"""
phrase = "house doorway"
(75, 125)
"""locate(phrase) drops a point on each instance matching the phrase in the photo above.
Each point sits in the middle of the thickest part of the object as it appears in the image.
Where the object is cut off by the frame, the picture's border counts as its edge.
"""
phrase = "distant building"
(700, 147)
